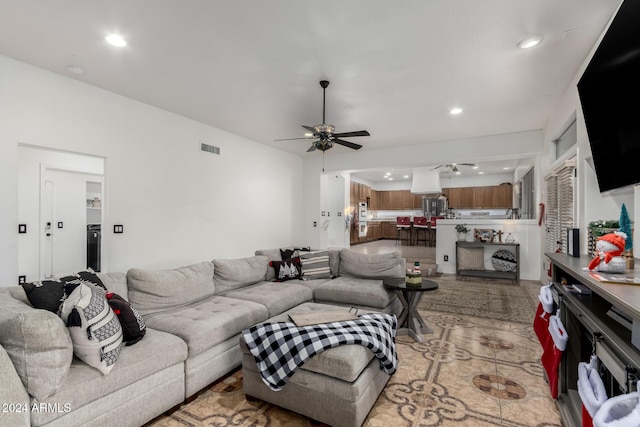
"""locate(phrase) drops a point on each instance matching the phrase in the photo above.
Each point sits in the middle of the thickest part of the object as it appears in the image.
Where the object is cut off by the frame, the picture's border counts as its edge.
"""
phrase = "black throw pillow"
(288, 253)
(287, 269)
(133, 327)
(46, 294)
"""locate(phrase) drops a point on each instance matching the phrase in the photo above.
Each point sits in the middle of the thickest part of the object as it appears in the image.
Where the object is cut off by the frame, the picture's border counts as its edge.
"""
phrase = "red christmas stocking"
(552, 354)
(544, 310)
(591, 390)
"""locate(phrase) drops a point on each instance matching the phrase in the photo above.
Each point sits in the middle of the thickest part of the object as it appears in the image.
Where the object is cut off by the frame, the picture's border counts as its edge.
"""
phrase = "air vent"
(209, 148)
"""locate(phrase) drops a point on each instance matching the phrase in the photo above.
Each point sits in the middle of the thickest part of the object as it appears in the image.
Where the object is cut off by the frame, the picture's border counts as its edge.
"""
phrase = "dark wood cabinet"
(488, 197)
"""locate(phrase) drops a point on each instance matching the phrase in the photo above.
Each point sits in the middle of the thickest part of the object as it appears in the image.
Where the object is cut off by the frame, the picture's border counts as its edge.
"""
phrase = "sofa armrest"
(13, 397)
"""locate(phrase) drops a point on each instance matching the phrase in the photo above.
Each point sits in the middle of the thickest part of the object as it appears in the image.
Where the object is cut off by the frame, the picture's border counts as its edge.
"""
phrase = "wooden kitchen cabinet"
(395, 200)
(503, 196)
(384, 200)
(482, 197)
(374, 231)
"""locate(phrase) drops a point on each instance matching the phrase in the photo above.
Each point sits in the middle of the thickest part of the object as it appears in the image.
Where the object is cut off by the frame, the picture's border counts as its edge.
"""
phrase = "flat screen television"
(609, 93)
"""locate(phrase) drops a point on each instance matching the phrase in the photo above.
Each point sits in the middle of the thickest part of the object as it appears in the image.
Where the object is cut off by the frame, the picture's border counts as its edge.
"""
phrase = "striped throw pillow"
(315, 265)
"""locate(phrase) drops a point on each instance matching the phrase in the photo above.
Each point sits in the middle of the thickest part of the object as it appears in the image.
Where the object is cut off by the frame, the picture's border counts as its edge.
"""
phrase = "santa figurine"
(609, 250)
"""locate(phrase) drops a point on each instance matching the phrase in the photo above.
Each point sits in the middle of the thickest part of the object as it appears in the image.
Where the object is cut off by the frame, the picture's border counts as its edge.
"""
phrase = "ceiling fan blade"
(438, 167)
(347, 144)
(293, 139)
(466, 164)
(310, 129)
(312, 148)
(351, 134)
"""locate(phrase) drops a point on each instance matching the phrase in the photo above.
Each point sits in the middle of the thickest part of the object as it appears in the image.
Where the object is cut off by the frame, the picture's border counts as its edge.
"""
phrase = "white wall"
(178, 205)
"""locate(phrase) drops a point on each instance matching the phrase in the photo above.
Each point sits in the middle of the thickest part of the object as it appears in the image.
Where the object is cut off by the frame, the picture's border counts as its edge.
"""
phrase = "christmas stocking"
(591, 390)
(541, 320)
(552, 354)
(619, 411)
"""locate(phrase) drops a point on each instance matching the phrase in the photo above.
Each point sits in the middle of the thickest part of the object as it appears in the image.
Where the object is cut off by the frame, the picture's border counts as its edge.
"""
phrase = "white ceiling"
(252, 67)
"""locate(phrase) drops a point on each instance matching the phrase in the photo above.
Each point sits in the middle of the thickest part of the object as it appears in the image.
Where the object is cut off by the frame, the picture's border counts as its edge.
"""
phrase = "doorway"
(61, 199)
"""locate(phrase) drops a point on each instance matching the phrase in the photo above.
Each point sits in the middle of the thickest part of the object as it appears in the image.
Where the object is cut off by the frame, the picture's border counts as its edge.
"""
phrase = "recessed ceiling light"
(390, 178)
(458, 173)
(116, 40)
(75, 69)
(406, 176)
(456, 110)
(480, 173)
(475, 167)
(530, 42)
(506, 168)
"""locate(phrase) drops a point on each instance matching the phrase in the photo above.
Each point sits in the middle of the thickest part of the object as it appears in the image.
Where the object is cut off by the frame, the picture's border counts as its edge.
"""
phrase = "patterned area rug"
(470, 372)
(479, 297)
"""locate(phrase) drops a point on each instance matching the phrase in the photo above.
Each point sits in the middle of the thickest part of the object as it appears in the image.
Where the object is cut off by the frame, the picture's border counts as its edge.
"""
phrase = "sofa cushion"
(37, 343)
(115, 282)
(232, 274)
(205, 323)
(133, 327)
(377, 266)
(277, 297)
(84, 385)
(355, 291)
(272, 255)
(95, 331)
(153, 291)
(315, 265)
(287, 269)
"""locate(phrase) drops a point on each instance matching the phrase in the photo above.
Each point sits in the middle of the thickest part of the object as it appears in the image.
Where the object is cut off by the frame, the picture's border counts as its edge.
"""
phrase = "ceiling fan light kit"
(325, 133)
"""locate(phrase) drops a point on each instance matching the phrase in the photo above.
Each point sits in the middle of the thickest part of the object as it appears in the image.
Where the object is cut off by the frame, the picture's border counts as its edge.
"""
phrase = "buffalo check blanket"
(280, 348)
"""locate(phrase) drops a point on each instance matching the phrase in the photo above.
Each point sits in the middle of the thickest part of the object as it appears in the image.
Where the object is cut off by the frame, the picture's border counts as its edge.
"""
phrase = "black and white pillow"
(289, 253)
(504, 260)
(95, 330)
(288, 269)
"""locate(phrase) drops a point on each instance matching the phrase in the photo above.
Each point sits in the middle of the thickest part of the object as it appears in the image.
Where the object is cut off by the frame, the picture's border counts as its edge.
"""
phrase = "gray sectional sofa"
(194, 316)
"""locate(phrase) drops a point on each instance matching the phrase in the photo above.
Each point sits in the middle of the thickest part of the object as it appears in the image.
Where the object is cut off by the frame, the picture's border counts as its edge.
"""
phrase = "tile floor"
(471, 371)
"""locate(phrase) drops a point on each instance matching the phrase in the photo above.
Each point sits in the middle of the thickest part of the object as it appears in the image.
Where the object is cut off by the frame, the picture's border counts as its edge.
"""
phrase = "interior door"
(64, 222)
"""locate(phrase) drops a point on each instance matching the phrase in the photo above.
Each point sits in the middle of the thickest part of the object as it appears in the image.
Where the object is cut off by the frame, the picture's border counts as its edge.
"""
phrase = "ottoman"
(338, 386)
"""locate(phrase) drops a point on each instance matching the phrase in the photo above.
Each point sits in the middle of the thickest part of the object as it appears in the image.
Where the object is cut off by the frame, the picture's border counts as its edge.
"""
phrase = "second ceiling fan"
(324, 133)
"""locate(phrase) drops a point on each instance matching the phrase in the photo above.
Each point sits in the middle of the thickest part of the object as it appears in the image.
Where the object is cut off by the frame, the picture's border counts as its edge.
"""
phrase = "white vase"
(462, 236)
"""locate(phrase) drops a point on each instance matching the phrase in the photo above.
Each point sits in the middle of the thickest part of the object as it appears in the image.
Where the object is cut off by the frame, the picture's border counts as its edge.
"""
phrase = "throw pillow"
(49, 294)
(471, 258)
(315, 265)
(133, 327)
(95, 331)
(288, 253)
(504, 260)
(45, 294)
(287, 269)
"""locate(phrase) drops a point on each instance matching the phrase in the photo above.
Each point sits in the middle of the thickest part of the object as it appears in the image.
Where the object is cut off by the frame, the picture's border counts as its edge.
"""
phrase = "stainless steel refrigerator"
(434, 206)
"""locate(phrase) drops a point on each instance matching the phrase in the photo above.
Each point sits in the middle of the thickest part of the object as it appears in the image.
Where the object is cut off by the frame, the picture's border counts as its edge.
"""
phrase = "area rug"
(479, 297)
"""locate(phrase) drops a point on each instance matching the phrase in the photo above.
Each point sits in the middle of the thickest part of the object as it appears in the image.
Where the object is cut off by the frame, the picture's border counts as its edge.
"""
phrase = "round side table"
(410, 322)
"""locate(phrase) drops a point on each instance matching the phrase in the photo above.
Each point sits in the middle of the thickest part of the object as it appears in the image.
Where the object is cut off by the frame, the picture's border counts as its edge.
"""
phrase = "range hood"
(426, 181)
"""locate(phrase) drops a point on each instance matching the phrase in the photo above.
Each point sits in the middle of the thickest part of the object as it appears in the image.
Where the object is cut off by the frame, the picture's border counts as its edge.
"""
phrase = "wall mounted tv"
(609, 92)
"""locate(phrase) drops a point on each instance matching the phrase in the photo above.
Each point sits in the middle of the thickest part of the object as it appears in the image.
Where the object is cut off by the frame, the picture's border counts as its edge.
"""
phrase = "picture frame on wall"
(483, 235)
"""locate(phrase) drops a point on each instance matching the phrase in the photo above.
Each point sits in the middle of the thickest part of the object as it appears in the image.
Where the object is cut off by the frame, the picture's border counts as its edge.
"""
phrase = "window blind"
(560, 206)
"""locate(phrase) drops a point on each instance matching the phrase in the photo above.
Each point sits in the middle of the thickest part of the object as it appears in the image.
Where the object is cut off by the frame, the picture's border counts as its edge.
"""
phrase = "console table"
(513, 275)
(594, 328)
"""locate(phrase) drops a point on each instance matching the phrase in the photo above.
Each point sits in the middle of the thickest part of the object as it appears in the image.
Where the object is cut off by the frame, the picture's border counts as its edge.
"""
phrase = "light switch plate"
(118, 229)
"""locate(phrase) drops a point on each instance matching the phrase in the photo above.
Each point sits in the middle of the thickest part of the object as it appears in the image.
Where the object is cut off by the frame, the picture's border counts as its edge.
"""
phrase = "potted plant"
(462, 231)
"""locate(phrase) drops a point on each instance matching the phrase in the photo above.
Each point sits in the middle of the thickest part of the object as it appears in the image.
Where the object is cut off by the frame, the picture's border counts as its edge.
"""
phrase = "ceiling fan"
(324, 133)
(453, 167)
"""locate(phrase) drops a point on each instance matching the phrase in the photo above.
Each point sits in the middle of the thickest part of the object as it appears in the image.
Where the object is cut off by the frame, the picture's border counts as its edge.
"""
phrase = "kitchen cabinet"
(395, 198)
(374, 231)
(410, 200)
(389, 230)
(373, 200)
(384, 200)
(502, 196)
(488, 197)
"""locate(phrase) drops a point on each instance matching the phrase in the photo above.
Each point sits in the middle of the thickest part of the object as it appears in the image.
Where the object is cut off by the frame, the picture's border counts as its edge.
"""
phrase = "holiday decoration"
(552, 355)
(619, 411)
(625, 227)
(609, 250)
(591, 390)
(543, 312)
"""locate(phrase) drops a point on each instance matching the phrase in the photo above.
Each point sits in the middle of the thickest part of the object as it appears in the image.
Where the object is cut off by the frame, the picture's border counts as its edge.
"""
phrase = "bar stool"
(432, 229)
(421, 224)
(403, 224)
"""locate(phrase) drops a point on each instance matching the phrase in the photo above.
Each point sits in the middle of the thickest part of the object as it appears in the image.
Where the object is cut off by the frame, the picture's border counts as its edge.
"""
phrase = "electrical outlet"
(446, 257)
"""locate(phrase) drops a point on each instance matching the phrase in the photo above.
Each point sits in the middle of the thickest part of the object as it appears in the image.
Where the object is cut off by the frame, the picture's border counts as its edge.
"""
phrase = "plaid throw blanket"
(280, 348)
